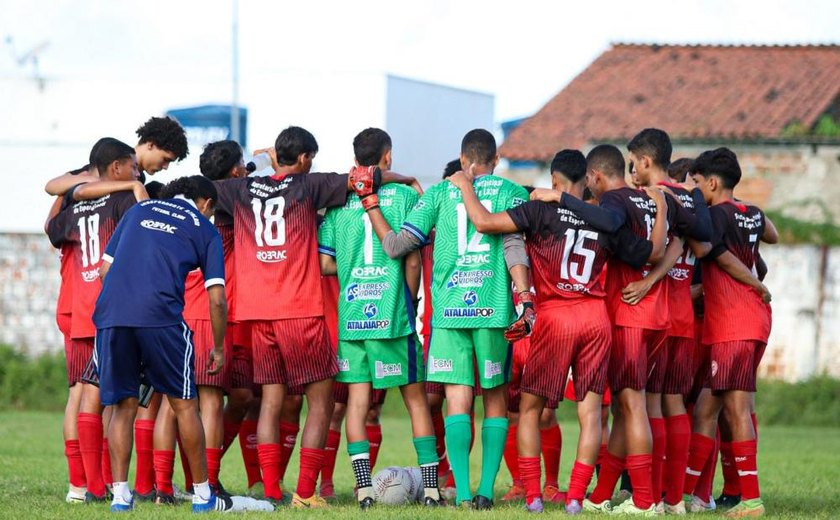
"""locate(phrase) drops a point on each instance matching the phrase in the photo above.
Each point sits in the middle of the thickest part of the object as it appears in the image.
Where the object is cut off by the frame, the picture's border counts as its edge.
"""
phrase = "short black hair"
(570, 163)
(678, 169)
(451, 168)
(607, 159)
(587, 195)
(218, 158)
(193, 187)
(370, 145)
(720, 162)
(654, 143)
(165, 133)
(479, 146)
(292, 142)
(111, 150)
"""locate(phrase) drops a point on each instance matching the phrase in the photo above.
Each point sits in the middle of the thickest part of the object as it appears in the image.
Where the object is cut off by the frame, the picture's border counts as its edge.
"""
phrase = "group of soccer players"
(322, 277)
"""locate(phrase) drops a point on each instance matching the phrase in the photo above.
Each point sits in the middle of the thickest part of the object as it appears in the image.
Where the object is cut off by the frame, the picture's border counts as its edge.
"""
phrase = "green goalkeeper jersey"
(470, 281)
(374, 302)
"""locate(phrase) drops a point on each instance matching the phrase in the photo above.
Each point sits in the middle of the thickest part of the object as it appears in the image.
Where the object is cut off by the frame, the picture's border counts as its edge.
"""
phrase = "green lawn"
(800, 471)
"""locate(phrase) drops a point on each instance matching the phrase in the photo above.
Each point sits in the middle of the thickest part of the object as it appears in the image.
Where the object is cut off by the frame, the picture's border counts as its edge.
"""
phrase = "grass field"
(800, 472)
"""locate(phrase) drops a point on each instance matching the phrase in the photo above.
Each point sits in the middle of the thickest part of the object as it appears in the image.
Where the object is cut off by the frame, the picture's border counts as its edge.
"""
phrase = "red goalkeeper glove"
(365, 181)
(525, 322)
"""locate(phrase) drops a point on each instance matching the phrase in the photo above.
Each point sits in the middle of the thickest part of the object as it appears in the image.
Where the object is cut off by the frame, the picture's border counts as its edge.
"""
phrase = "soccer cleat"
(120, 505)
(214, 503)
(366, 503)
(725, 502)
(145, 497)
(449, 493)
(622, 496)
(746, 509)
(629, 508)
(536, 506)
(181, 495)
(573, 507)
(164, 499)
(676, 509)
(313, 502)
(467, 504)
(516, 492)
(90, 498)
(695, 505)
(431, 502)
(327, 491)
(592, 507)
(660, 507)
(482, 503)
(553, 495)
(76, 495)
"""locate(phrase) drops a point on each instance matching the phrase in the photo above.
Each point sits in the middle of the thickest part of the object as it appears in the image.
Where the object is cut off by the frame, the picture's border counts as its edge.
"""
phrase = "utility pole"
(234, 109)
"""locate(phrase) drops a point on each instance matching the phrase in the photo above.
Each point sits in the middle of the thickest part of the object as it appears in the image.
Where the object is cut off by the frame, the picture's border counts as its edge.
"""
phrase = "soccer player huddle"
(307, 285)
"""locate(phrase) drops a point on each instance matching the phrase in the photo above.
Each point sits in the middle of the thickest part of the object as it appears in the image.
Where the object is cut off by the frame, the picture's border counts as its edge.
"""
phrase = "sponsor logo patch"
(343, 365)
(365, 291)
(468, 278)
(369, 272)
(156, 225)
(439, 365)
(383, 370)
(492, 369)
(271, 257)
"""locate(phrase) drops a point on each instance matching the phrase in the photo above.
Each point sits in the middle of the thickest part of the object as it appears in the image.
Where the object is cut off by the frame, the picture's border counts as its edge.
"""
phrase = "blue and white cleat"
(214, 503)
(120, 505)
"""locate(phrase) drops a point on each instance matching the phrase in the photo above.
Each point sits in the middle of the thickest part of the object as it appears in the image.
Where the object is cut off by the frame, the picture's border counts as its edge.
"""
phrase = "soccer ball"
(397, 486)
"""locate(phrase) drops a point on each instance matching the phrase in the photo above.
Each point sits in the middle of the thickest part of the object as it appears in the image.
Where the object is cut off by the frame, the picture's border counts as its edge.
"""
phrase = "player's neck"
(288, 170)
(658, 175)
(723, 196)
(615, 183)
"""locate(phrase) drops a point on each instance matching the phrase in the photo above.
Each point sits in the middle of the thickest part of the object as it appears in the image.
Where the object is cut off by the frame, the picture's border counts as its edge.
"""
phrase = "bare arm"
(62, 184)
(519, 275)
(95, 190)
(103, 269)
(771, 235)
(413, 269)
(737, 270)
(218, 320)
(484, 221)
(700, 249)
(54, 209)
(395, 245)
(328, 265)
(635, 291)
(659, 232)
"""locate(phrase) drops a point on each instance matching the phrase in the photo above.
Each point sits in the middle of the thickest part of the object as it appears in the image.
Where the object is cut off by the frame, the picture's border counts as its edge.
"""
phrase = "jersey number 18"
(270, 227)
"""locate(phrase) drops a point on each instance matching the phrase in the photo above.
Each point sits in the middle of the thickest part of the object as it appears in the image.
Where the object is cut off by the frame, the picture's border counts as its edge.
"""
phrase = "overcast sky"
(177, 53)
(522, 51)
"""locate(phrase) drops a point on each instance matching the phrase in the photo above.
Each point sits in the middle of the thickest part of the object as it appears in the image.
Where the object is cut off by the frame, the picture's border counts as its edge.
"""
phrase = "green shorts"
(385, 363)
(452, 351)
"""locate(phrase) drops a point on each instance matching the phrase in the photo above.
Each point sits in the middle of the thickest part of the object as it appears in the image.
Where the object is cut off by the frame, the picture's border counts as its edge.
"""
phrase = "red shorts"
(240, 333)
(734, 365)
(562, 339)
(294, 352)
(340, 392)
(377, 397)
(203, 343)
(435, 388)
(606, 399)
(702, 363)
(78, 353)
(680, 376)
(241, 368)
(521, 349)
(633, 359)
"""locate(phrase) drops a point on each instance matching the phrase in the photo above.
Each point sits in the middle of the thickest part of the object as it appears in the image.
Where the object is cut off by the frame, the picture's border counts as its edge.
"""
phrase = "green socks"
(493, 436)
(458, 436)
(428, 461)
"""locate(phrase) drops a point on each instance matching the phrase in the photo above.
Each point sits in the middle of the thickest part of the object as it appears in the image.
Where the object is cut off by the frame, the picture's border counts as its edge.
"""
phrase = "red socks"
(703, 489)
(330, 451)
(440, 444)
(579, 481)
(551, 439)
(90, 447)
(231, 431)
(75, 466)
(214, 464)
(731, 484)
(311, 461)
(678, 428)
(512, 458)
(602, 453)
(288, 438)
(699, 451)
(164, 461)
(374, 435)
(144, 479)
(745, 452)
(530, 473)
(107, 476)
(611, 468)
(270, 455)
(639, 468)
(248, 445)
(660, 439)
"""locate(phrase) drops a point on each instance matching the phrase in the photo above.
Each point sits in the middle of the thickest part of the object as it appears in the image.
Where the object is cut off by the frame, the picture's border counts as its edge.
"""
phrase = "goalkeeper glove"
(525, 321)
(365, 181)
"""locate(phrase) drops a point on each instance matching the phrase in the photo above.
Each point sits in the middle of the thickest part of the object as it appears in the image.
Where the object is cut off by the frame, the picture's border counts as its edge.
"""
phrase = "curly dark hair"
(193, 187)
(165, 133)
(218, 158)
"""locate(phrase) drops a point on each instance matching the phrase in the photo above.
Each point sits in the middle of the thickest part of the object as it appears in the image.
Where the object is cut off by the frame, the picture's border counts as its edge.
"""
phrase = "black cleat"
(164, 499)
(482, 503)
(145, 497)
(366, 503)
(431, 502)
(220, 490)
(90, 498)
(725, 502)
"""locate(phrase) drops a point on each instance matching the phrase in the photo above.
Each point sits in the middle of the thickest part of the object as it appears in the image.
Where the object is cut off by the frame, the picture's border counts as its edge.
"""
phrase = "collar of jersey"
(189, 201)
(741, 206)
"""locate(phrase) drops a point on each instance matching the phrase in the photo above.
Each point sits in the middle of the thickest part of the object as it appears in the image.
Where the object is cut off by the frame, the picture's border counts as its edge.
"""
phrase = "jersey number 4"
(89, 239)
(270, 227)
